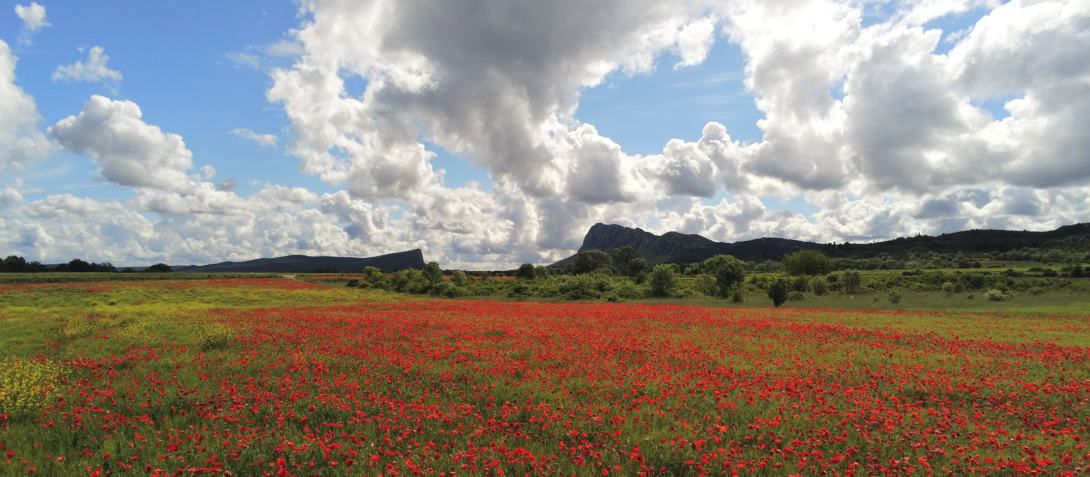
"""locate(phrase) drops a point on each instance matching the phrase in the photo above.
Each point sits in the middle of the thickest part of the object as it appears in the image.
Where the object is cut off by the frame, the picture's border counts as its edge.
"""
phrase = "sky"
(490, 133)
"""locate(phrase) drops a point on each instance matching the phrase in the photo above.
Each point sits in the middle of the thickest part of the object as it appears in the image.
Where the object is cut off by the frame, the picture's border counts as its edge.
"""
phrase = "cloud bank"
(884, 135)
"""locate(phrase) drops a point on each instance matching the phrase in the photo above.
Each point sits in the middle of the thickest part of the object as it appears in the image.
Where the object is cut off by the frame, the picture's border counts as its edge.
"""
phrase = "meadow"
(282, 377)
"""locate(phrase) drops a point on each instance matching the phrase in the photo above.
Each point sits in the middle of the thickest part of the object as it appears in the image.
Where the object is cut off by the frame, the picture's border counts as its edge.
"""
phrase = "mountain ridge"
(675, 247)
(303, 263)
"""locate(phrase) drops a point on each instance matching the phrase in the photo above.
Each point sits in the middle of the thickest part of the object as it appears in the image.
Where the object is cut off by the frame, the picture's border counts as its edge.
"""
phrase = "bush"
(996, 295)
(664, 281)
(738, 293)
(705, 284)
(459, 278)
(894, 296)
(353, 283)
(948, 289)
(851, 282)
(796, 296)
(520, 290)
(778, 290)
(579, 287)
(819, 285)
(801, 284)
(1077, 272)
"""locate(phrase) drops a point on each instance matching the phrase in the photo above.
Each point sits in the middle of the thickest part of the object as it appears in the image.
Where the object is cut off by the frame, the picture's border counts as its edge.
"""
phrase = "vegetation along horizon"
(807, 365)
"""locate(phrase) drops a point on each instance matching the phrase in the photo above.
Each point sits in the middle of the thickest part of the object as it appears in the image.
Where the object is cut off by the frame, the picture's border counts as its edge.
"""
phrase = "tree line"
(17, 264)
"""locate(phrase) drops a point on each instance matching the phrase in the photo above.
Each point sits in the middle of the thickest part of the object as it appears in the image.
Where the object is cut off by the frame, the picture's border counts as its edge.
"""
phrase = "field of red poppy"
(276, 377)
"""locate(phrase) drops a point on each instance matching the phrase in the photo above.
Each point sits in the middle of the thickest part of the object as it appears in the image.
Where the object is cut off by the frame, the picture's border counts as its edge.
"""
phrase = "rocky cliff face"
(608, 237)
(674, 247)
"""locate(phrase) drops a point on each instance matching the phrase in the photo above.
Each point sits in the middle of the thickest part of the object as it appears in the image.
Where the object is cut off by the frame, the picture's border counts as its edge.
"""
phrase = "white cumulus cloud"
(94, 70)
(33, 17)
(20, 140)
(128, 151)
(265, 140)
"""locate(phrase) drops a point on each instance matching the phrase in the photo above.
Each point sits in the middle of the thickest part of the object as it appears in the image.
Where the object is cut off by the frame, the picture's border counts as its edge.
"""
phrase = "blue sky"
(200, 70)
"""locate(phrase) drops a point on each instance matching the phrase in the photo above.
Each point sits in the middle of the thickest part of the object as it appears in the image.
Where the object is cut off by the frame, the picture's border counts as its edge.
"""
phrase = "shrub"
(520, 290)
(949, 288)
(353, 283)
(705, 284)
(664, 281)
(738, 293)
(580, 287)
(996, 295)
(819, 285)
(851, 282)
(778, 290)
(459, 278)
(1077, 272)
(894, 296)
(800, 284)
(796, 296)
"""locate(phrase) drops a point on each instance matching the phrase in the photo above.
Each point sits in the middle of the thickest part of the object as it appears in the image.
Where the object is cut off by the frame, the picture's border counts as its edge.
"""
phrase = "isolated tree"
(664, 281)
(727, 270)
(778, 290)
(433, 273)
(808, 262)
(526, 272)
(590, 260)
(159, 268)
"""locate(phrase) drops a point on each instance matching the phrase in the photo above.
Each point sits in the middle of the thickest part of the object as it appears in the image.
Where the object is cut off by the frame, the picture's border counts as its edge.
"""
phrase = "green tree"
(159, 268)
(808, 262)
(664, 281)
(432, 273)
(778, 290)
(77, 265)
(14, 264)
(590, 260)
(628, 261)
(727, 270)
(526, 272)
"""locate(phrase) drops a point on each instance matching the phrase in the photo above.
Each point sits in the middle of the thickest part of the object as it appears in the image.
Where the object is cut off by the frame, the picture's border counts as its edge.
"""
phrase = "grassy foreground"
(278, 377)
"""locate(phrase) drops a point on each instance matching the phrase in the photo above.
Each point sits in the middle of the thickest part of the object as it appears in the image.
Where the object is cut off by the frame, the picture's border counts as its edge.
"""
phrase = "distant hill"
(302, 263)
(971, 241)
(673, 247)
